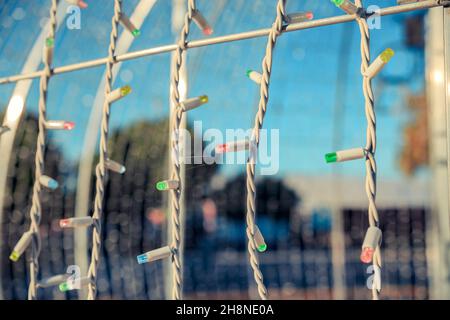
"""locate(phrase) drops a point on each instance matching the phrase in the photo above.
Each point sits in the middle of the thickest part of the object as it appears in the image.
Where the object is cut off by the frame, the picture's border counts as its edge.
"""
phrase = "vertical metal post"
(438, 235)
(337, 239)
(446, 218)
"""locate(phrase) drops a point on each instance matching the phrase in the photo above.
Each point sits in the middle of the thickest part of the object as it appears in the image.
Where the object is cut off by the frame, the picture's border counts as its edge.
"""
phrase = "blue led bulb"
(142, 258)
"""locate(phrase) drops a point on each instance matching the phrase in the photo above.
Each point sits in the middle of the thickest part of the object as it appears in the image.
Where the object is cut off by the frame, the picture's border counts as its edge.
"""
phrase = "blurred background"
(313, 215)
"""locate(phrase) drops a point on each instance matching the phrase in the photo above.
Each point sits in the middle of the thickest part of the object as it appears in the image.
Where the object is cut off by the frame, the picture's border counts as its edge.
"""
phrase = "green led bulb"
(49, 42)
(63, 287)
(248, 72)
(262, 247)
(337, 3)
(331, 157)
(136, 32)
(14, 256)
(162, 185)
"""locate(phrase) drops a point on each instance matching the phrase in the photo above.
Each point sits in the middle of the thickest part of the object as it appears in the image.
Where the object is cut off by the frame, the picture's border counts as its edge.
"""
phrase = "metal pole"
(228, 38)
(337, 239)
(125, 41)
(438, 228)
(446, 218)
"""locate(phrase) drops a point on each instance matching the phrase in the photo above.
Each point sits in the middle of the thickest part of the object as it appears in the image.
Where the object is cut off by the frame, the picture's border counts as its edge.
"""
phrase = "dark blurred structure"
(55, 253)
(297, 264)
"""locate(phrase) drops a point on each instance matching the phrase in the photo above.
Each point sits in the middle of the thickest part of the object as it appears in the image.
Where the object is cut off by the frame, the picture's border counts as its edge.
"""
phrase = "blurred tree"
(274, 199)
(16, 212)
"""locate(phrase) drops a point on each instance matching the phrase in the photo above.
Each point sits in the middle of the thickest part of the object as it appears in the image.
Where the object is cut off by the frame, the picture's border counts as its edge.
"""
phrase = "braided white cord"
(371, 167)
(251, 164)
(177, 62)
(36, 210)
(100, 170)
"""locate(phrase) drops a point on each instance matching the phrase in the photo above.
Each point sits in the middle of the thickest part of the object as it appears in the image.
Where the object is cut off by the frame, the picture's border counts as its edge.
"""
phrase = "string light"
(259, 239)
(154, 255)
(345, 155)
(21, 246)
(201, 22)
(48, 50)
(59, 125)
(115, 166)
(126, 22)
(379, 63)
(74, 284)
(79, 3)
(255, 76)
(53, 281)
(299, 17)
(3, 129)
(76, 222)
(233, 146)
(118, 94)
(167, 185)
(48, 182)
(193, 103)
(371, 241)
(346, 5)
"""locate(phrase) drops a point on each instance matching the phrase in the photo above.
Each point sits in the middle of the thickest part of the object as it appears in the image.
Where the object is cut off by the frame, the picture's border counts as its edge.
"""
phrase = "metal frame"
(228, 38)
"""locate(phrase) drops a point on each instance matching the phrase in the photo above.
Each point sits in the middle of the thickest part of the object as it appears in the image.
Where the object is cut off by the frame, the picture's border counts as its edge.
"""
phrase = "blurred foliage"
(274, 199)
(415, 151)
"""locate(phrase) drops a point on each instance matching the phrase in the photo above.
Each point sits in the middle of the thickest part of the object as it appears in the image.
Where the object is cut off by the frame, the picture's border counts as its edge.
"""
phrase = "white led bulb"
(193, 103)
(233, 146)
(53, 281)
(48, 51)
(370, 243)
(154, 255)
(201, 22)
(76, 222)
(345, 155)
(346, 5)
(127, 24)
(72, 284)
(21, 246)
(378, 64)
(299, 17)
(59, 125)
(259, 239)
(254, 76)
(167, 185)
(114, 166)
(118, 94)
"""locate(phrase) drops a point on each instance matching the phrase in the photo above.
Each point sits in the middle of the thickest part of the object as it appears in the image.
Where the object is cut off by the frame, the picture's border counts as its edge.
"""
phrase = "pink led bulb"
(69, 125)
(367, 254)
(222, 148)
(63, 223)
(208, 31)
(82, 4)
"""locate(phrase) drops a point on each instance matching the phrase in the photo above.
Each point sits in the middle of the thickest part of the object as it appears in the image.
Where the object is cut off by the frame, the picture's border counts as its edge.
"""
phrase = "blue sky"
(303, 85)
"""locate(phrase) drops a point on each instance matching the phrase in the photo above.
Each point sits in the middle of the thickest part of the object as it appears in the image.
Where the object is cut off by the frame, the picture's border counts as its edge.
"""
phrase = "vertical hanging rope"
(177, 268)
(100, 170)
(371, 167)
(36, 210)
(275, 32)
